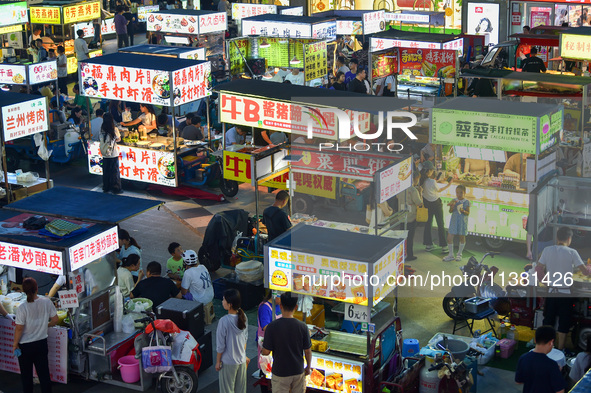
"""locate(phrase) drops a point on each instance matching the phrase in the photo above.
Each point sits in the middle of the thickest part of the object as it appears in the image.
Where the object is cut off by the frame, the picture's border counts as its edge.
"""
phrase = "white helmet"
(190, 257)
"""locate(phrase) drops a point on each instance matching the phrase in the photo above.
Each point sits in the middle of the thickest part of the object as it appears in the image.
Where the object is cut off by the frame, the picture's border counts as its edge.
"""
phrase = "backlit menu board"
(143, 11)
(14, 13)
(23, 119)
(13, 74)
(315, 60)
(48, 15)
(187, 24)
(43, 72)
(82, 12)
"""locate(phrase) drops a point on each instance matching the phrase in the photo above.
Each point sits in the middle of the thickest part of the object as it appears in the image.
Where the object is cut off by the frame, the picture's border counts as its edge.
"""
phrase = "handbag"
(158, 358)
(422, 214)
(107, 146)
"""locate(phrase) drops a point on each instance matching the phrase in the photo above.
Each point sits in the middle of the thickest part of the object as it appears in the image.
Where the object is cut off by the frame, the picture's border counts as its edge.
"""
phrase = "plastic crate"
(219, 286)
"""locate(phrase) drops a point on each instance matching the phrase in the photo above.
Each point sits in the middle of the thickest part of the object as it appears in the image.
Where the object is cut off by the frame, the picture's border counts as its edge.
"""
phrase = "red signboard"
(427, 62)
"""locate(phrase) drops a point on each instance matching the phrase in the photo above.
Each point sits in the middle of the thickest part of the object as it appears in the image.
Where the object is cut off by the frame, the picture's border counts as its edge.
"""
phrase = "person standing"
(109, 136)
(296, 78)
(357, 84)
(130, 23)
(275, 219)
(121, 28)
(30, 336)
(434, 205)
(96, 124)
(350, 75)
(231, 338)
(557, 263)
(235, 136)
(533, 63)
(62, 70)
(535, 370)
(224, 6)
(80, 46)
(340, 65)
(458, 223)
(288, 364)
(414, 200)
(41, 51)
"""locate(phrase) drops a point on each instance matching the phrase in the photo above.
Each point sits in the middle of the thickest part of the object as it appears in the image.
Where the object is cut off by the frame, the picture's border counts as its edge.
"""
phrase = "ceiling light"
(264, 44)
(295, 60)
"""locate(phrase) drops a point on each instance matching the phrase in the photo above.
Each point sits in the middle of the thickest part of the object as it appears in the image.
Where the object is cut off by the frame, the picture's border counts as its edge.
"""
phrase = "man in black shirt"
(357, 84)
(288, 364)
(533, 63)
(535, 370)
(192, 131)
(157, 289)
(274, 218)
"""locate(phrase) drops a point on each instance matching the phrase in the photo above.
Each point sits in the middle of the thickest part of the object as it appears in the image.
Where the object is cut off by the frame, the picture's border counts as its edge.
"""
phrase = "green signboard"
(485, 130)
(550, 127)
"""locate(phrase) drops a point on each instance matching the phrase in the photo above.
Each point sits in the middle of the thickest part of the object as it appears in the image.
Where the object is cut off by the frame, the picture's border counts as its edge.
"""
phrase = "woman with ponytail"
(33, 319)
(128, 246)
(231, 338)
(129, 264)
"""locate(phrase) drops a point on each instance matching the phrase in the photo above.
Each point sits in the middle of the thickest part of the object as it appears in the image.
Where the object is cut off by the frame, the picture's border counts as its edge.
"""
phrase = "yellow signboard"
(574, 46)
(72, 63)
(318, 185)
(315, 60)
(82, 12)
(48, 15)
(11, 29)
(237, 166)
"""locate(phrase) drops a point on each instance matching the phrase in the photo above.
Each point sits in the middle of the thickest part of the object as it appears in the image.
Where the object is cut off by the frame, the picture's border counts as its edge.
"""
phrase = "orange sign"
(82, 12)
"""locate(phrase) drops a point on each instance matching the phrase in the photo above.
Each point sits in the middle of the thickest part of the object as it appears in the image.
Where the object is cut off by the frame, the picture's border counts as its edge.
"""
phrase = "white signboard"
(94, 248)
(276, 29)
(43, 72)
(406, 17)
(23, 119)
(87, 28)
(374, 22)
(213, 23)
(68, 299)
(378, 44)
(395, 179)
(483, 19)
(187, 24)
(143, 11)
(31, 258)
(197, 54)
(245, 10)
(14, 13)
(294, 11)
(108, 26)
(326, 30)
(150, 166)
(357, 313)
(13, 74)
(455, 45)
(349, 27)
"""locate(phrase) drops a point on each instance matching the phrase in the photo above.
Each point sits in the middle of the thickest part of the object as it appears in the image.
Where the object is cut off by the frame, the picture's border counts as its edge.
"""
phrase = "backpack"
(107, 145)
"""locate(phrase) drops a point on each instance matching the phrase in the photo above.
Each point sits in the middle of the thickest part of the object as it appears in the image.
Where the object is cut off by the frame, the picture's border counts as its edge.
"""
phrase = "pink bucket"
(130, 369)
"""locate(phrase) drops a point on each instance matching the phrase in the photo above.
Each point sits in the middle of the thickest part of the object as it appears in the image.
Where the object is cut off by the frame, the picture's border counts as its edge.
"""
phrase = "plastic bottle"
(3, 288)
(512, 334)
(503, 331)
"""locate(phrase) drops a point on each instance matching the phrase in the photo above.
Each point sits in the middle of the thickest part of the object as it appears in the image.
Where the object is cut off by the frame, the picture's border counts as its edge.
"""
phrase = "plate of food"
(90, 86)
(161, 86)
(166, 166)
(157, 146)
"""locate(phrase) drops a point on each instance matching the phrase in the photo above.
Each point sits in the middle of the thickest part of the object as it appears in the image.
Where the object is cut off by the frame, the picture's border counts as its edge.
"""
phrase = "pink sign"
(539, 18)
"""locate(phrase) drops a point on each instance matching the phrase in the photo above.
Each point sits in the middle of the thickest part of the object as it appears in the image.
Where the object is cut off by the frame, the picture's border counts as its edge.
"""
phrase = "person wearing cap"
(196, 284)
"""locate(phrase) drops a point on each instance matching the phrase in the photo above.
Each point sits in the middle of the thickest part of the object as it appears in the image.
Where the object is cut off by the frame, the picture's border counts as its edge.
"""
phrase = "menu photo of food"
(300, 283)
(335, 382)
(161, 85)
(316, 378)
(405, 170)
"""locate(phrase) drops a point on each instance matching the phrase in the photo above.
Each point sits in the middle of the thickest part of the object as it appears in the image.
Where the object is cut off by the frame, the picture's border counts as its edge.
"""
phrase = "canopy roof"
(139, 61)
(497, 106)
(158, 49)
(8, 98)
(528, 76)
(395, 34)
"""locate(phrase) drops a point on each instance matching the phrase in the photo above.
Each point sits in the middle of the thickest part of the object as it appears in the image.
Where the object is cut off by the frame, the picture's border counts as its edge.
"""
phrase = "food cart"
(426, 62)
(85, 256)
(201, 29)
(339, 359)
(289, 26)
(62, 17)
(500, 201)
(14, 17)
(168, 83)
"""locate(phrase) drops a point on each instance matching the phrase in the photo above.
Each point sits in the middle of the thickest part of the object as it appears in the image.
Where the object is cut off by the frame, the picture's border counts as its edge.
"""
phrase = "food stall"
(245, 10)
(62, 16)
(426, 62)
(168, 83)
(14, 16)
(84, 253)
(289, 26)
(23, 116)
(201, 29)
(304, 260)
(28, 74)
(464, 134)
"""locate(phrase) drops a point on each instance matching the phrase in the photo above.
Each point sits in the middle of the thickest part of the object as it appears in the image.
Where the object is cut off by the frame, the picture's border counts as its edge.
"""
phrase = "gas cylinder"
(429, 381)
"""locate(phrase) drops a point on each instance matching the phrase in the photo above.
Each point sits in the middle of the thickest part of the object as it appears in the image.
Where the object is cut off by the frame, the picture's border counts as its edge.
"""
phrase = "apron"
(260, 331)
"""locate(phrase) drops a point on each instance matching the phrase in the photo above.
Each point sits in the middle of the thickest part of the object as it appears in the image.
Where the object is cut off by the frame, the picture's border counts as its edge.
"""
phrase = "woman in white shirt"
(33, 318)
(147, 118)
(434, 206)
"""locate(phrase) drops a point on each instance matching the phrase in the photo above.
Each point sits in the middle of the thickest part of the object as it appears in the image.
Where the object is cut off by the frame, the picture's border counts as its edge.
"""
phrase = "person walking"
(109, 137)
(434, 205)
(288, 364)
(231, 338)
(121, 28)
(80, 46)
(130, 23)
(62, 70)
(30, 336)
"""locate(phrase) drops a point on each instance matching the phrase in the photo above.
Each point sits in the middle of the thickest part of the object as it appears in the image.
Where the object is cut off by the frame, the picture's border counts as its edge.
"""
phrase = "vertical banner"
(315, 60)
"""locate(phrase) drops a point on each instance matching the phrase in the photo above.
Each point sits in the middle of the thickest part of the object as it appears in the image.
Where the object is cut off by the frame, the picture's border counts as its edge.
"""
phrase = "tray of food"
(347, 343)
(471, 178)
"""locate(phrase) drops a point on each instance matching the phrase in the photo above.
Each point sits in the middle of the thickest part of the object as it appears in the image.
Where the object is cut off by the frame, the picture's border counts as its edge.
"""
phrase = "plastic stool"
(410, 347)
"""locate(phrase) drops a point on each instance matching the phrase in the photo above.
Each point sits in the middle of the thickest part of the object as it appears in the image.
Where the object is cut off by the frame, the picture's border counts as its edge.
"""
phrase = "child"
(458, 223)
(197, 282)
(175, 265)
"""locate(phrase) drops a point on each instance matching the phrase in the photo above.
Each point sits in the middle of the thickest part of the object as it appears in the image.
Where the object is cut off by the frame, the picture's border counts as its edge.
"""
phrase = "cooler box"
(252, 292)
(507, 347)
(206, 348)
(315, 317)
(476, 305)
(186, 314)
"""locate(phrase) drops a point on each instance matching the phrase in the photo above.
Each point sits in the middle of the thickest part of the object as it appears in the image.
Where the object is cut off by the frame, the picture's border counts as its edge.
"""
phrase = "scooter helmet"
(190, 257)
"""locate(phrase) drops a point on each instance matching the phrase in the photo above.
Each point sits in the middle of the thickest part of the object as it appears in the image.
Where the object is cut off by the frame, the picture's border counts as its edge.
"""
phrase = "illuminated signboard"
(13, 74)
(187, 24)
(294, 11)
(25, 118)
(143, 11)
(94, 248)
(43, 72)
(11, 29)
(82, 12)
(14, 13)
(48, 15)
(72, 62)
(575, 46)
(31, 258)
(276, 29)
(374, 22)
(245, 10)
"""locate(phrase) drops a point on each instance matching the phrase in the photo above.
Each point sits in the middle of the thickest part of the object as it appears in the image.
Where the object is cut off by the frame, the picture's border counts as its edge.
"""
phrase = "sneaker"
(448, 258)
(411, 258)
(430, 248)
(444, 250)
(459, 257)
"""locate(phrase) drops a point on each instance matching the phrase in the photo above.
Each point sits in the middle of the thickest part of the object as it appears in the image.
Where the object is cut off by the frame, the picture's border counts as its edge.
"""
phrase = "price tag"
(366, 326)
(357, 313)
(68, 299)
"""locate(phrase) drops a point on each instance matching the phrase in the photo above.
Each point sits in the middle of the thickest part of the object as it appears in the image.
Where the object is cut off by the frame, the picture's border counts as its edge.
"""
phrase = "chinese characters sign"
(315, 60)
(427, 62)
(374, 22)
(377, 44)
(197, 54)
(49, 15)
(236, 48)
(82, 12)
(68, 299)
(295, 11)
(573, 46)
(325, 31)
(94, 248)
(395, 179)
(349, 27)
(150, 166)
(212, 23)
(191, 83)
(13, 74)
(25, 118)
(384, 63)
(31, 258)
(407, 17)
(187, 24)
(486, 130)
(238, 166)
(318, 185)
(276, 29)
(107, 27)
(245, 10)
(43, 72)
(73, 62)
(14, 13)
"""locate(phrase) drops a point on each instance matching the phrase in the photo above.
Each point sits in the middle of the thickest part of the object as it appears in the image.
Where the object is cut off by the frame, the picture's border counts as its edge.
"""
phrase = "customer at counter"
(274, 218)
(477, 167)
(235, 136)
(41, 51)
(147, 118)
(109, 136)
(434, 205)
(193, 131)
(156, 288)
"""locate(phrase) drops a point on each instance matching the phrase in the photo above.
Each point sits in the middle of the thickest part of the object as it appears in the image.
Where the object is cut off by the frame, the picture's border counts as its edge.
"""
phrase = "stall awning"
(328, 242)
(86, 205)
(394, 34)
(158, 49)
(139, 61)
(528, 77)
(313, 96)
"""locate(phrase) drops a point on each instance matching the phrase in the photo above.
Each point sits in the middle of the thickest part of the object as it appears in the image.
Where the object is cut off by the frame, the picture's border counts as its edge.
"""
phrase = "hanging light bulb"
(295, 60)
(264, 44)
(267, 75)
